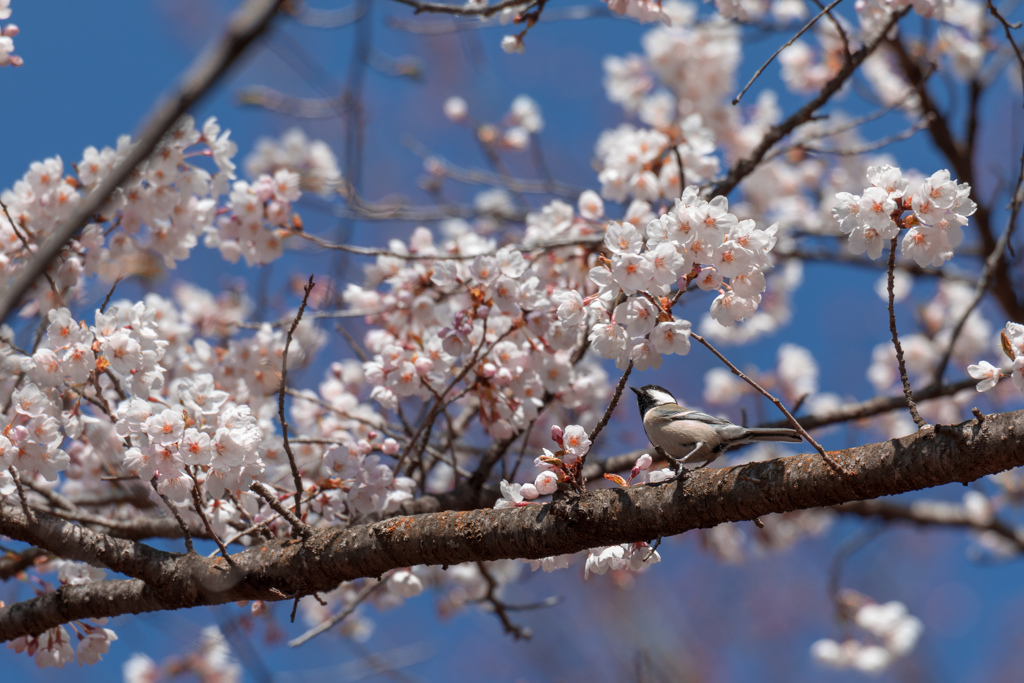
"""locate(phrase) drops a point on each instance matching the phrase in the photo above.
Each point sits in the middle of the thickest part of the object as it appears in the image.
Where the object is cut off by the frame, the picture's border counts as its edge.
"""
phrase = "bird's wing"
(702, 417)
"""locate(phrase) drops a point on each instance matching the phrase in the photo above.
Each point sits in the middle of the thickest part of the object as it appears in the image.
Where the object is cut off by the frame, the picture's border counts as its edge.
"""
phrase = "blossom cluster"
(211, 660)
(480, 318)
(939, 207)
(175, 200)
(626, 556)
(1012, 344)
(695, 62)
(644, 266)
(641, 163)
(894, 634)
(53, 647)
(524, 119)
(7, 34)
(312, 160)
(553, 467)
(644, 11)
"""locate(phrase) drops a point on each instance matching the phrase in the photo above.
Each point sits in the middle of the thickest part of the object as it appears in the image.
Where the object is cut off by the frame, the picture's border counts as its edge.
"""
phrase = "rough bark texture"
(705, 498)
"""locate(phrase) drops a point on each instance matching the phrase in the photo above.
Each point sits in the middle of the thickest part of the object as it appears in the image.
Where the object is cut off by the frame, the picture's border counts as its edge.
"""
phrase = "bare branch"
(742, 169)
(918, 420)
(296, 477)
(806, 27)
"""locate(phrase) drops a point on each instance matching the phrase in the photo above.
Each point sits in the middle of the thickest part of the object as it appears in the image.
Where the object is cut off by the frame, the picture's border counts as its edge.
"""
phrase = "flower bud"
(529, 491)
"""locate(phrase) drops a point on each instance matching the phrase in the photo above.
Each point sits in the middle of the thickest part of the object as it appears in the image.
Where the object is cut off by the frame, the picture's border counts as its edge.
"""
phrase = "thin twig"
(258, 526)
(839, 28)
(29, 514)
(296, 477)
(110, 293)
(327, 624)
(464, 10)
(743, 168)
(198, 501)
(352, 343)
(778, 404)
(28, 249)
(921, 424)
(848, 548)
(607, 413)
(808, 25)
(1009, 37)
(682, 171)
(185, 532)
(587, 241)
(866, 147)
(267, 494)
(500, 608)
(302, 14)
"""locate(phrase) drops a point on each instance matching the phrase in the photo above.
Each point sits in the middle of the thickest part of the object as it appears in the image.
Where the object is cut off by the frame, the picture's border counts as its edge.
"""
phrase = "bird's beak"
(635, 390)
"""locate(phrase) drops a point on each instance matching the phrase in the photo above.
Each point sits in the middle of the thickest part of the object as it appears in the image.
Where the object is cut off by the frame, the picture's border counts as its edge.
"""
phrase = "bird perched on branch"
(689, 436)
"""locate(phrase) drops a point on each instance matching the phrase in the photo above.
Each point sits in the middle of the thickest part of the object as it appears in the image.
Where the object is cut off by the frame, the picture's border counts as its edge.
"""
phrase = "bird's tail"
(768, 434)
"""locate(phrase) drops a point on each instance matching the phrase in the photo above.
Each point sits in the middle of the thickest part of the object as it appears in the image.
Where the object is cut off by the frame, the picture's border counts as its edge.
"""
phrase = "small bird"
(690, 436)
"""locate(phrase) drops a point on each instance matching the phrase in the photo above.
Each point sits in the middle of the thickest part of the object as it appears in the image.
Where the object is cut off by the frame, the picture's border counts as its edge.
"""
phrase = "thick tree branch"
(706, 498)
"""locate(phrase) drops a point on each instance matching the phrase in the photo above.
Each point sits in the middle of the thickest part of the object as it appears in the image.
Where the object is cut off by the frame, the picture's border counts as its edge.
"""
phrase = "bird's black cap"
(651, 395)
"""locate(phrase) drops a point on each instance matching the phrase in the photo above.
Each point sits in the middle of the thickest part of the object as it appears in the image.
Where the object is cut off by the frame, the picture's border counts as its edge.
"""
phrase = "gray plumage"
(690, 436)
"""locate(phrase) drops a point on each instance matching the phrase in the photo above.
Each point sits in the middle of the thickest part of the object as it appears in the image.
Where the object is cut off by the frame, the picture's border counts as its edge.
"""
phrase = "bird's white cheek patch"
(662, 396)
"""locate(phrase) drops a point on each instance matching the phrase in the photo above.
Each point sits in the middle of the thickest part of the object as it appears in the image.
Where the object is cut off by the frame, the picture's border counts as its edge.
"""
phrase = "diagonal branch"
(245, 26)
(806, 113)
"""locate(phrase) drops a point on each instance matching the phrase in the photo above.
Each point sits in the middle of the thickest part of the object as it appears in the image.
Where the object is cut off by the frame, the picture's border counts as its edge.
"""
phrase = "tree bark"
(285, 569)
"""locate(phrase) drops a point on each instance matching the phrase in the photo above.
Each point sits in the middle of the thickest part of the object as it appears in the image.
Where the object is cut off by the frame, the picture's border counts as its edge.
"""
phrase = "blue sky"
(91, 74)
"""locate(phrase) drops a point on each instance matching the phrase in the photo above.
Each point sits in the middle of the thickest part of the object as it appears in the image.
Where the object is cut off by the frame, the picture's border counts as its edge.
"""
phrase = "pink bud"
(424, 365)
(364, 446)
(489, 370)
(258, 607)
(556, 435)
(10, 30)
(483, 311)
(389, 447)
(643, 462)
